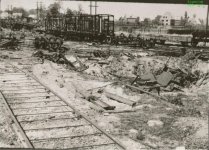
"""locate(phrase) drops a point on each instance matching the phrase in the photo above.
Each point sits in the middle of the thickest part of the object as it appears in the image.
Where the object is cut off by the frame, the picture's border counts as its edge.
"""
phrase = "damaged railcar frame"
(82, 27)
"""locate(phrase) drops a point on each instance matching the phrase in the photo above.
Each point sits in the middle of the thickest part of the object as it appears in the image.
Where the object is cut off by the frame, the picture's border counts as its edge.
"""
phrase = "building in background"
(166, 19)
(130, 20)
(176, 21)
(4, 15)
(127, 24)
(16, 15)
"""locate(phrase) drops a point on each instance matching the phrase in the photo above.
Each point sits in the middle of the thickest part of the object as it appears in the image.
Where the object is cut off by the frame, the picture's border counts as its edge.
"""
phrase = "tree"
(20, 10)
(186, 17)
(156, 21)
(182, 21)
(32, 11)
(202, 22)
(80, 9)
(54, 10)
(137, 20)
(147, 21)
(69, 12)
(43, 13)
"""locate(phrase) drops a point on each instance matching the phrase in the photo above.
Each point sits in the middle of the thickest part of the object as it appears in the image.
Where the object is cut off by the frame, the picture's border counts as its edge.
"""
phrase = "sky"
(118, 9)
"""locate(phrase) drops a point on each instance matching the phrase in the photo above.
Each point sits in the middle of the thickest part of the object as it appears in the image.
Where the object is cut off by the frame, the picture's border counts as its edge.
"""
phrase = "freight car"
(198, 35)
(101, 28)
(17, 25)
(82, 27)
(90, 28)
(162, 38)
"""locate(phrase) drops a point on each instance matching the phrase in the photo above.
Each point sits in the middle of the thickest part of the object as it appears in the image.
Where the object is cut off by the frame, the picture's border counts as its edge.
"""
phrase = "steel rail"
(43, 113)
(61, 127)
(53, 119)
(66, 137)
(23, 108)
(20, 129)
(32, 102)
(68, 104)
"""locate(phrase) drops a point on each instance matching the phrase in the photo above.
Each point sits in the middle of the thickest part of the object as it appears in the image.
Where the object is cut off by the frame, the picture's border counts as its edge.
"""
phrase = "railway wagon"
(198, 34)
(154, 38)
(17, 25)
(183, 39)
(7, 23)
(82, 27)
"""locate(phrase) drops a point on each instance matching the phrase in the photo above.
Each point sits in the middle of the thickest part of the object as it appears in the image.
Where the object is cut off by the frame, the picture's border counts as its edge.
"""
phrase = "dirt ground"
(7, 136)
(150, 124)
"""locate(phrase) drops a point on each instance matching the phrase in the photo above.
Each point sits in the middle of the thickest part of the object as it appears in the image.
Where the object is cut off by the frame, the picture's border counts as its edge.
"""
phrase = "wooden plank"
(120, 99)
(155, 96)
(26, 141)
(103, 105)
(86, 95)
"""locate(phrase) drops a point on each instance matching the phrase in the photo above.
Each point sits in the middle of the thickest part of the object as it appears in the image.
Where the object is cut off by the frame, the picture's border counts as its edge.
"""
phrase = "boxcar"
(82, 27)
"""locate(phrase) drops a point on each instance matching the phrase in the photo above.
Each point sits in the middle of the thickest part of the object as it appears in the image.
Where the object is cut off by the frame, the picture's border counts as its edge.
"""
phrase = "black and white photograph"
(104, 75)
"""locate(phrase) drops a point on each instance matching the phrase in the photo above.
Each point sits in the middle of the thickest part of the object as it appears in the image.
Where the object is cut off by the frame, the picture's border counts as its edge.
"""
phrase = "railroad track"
(44, 119)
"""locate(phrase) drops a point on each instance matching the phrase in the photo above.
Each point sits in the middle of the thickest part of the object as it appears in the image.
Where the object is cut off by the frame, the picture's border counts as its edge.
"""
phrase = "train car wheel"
(122, 35)
(184, 43)
(194, 43)
(147, 44)
(144, 44)
(37, 43)
(56, 46)
(162, 41)
(62, 50)
(152, 43)
(65, 37)
(52, 43)
(130, 37)
(108, 40)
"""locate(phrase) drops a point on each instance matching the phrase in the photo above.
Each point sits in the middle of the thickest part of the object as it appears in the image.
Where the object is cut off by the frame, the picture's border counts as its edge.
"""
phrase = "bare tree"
(69, 12)
(54, 9)
(20, 10)
(156, 21)
(202, 22)
(80, 9)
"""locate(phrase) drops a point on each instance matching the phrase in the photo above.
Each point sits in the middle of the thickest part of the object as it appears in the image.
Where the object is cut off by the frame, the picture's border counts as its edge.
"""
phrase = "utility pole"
(0, 13)
(95, 7)
(11, 11)
(206, 29)
(41, 10)
(37, 11)
(91, 6)
(8, 11)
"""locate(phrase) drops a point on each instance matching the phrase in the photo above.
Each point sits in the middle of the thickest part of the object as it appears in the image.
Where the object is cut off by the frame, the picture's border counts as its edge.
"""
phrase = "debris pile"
(71, 61)
(50, 43)
(152, 74)
(112, 68)
(11, 40)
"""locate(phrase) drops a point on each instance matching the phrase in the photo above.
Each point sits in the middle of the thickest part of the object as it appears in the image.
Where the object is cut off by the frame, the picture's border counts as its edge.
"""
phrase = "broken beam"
(120, 99)
(154, 95)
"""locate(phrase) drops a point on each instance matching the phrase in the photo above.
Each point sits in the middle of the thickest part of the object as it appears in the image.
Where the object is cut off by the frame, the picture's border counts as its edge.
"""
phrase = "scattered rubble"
(155, 123)
(120, 99)
(98, 104)
(146, 93)
(133, 134)
(71, 61)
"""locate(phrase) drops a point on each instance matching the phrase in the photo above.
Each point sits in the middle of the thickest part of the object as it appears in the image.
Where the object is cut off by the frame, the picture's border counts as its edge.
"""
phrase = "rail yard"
(75, 83)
